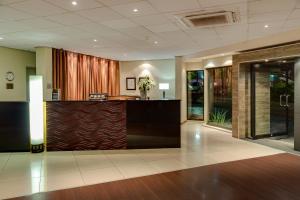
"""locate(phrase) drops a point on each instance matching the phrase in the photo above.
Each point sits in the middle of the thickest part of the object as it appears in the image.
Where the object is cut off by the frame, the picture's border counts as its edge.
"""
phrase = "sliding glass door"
(195, 95)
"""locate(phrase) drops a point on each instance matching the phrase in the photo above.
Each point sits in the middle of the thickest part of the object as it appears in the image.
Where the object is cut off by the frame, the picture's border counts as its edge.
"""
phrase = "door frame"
(187, 102)
(253, 110)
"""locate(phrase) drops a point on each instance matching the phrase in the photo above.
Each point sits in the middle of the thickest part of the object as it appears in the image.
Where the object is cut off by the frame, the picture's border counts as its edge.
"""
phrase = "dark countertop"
(151, 100)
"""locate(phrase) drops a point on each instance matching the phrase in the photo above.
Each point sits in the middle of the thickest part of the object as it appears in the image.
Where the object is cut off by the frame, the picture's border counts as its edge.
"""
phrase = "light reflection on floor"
(25, 173)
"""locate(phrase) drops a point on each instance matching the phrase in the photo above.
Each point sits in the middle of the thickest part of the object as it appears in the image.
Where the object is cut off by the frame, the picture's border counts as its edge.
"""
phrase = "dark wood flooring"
(272, 177)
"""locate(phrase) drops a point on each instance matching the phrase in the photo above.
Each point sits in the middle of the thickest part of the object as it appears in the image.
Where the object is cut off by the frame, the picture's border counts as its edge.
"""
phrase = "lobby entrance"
(272, 100)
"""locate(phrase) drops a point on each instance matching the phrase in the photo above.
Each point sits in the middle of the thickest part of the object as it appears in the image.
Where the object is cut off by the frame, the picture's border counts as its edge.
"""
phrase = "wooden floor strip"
(272, 177)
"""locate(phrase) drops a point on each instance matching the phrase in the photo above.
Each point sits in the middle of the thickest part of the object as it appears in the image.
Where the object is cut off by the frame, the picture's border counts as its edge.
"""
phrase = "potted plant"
(145, 85)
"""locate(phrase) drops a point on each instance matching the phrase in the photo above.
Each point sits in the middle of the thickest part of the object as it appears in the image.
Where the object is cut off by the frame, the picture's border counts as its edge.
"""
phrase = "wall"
(15, 61)
(262, 101)
(204, 64)
(180, 85)
(161, 71)
(44, 68)
(240, 88)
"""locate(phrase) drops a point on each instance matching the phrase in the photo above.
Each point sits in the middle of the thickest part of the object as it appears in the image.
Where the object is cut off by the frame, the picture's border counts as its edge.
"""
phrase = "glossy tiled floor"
(25, 173)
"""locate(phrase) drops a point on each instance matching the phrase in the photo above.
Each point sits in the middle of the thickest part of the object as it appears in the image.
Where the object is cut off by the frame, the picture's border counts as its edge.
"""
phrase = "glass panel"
(274, 98)
(195, 95)
(220, 97)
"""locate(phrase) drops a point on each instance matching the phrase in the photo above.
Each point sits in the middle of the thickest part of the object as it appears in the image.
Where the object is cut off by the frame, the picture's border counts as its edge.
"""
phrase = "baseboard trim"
(217, 128)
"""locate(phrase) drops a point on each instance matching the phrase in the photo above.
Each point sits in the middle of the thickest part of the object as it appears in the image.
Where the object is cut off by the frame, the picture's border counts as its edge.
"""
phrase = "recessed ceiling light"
(1, 38)
(284, 61)
(135, 10)
(267, 26)
(74, 3)
(266, 60)
(95, 40)
(155, 42)
(257, 65)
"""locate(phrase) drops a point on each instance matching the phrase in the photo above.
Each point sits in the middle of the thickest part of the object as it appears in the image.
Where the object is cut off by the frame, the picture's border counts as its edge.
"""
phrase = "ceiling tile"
(7, 13)
(298, 4)
(37, 7)
(265, 6)
(119, 24)
(81, 4)
(40, 23)
(96, 29)
(295, 14)
(68, 19)
(151, 20)
(116, 2)
(6, 2)
(202, 33)
(292, 24)
(175, 5)
(163, 28)
(71, 32)
(232, 34)
(273, 16)
(256, 30)
(57, 23)
(175, 36)
(144, 8)
(36, 36)
(10, 27)
(211, 3)
(139, 32)
(100, 14)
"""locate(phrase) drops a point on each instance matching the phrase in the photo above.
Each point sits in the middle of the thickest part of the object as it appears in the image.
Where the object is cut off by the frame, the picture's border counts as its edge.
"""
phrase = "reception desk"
(14, 127)
(112, 124)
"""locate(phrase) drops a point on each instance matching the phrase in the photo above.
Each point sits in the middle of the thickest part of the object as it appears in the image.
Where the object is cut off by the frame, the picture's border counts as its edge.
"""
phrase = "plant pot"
(143, 94)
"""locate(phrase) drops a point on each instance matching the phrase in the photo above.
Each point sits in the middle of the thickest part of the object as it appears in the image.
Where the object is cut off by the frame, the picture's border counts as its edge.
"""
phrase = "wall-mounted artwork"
(131, 83)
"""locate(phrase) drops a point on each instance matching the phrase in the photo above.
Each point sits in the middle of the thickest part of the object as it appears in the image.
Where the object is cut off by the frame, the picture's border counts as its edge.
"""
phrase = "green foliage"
(145, 84)
(219, 116)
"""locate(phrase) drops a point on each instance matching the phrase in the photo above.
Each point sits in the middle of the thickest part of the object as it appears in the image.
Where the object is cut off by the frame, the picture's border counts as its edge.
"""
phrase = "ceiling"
(110, 28)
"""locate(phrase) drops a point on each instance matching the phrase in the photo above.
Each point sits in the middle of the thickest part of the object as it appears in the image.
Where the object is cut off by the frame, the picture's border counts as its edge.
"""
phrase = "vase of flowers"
(145, 85)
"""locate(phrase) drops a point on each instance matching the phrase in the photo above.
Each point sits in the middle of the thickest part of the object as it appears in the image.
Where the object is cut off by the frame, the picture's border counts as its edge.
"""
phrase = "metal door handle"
(287, 100)
(280, 102)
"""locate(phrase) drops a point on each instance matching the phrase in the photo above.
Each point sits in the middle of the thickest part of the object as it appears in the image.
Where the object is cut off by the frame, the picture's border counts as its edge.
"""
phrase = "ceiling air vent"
(200, 19)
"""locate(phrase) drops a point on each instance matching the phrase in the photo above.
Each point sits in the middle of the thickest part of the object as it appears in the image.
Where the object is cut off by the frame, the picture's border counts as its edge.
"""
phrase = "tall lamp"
(36, 113)
(164, 87)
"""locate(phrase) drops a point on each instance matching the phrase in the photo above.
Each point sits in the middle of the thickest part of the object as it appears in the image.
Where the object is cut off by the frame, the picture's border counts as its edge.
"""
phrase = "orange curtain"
(59, 69)
(113, 78)
(78, 75)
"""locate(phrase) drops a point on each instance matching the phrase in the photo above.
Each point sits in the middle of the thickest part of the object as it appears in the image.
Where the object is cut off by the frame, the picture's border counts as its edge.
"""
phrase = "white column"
(44, 68)
(180, 85)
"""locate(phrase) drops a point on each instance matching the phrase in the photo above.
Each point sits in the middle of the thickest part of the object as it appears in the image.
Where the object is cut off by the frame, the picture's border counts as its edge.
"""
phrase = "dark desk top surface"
(117, 100)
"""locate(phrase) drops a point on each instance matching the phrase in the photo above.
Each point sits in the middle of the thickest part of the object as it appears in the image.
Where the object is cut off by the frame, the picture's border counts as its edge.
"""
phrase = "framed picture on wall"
(131, 83)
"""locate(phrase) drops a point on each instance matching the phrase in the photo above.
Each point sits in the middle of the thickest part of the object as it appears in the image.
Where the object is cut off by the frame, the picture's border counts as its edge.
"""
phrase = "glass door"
(282, 100)
(273, 99)
(195, 95)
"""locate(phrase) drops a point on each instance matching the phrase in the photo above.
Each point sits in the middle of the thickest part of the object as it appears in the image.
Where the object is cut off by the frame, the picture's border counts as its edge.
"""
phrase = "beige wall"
(205, 64)
(44, 68)
(262, 101)
(15, 61)
(162, 71)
